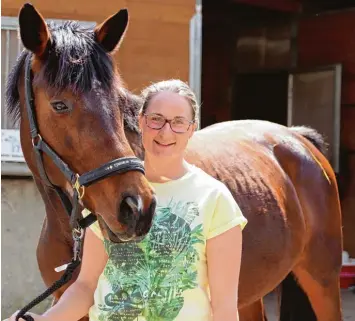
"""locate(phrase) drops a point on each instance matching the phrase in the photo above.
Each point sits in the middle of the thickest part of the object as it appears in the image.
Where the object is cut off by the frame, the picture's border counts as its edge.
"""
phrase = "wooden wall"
(238, 39)
(217, 63)
(328, 39)
(156, 45)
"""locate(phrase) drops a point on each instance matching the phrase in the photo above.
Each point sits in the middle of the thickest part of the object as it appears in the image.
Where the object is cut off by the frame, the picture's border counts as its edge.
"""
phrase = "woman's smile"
(164, 144)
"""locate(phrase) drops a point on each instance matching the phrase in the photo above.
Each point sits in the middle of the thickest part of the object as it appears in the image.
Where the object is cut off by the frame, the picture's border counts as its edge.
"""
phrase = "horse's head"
(79, 106)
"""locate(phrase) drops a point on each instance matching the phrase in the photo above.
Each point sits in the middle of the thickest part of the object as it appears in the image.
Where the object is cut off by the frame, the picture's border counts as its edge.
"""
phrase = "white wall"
(22, 213)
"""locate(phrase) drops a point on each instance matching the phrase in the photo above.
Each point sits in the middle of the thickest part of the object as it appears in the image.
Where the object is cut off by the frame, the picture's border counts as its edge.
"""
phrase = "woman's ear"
(194, 127)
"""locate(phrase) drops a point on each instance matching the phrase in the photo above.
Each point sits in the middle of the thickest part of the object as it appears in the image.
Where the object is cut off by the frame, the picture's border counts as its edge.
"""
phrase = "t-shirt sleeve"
(95, 227)
(226, 215)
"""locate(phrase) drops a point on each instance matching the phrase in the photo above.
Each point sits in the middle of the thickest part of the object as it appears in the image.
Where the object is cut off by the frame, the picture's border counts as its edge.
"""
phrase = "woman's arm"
(79, 297)
(223, 262)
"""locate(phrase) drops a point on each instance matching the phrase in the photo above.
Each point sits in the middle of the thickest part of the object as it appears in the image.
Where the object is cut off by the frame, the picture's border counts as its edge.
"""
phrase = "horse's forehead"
(76, 73)
(68, 28)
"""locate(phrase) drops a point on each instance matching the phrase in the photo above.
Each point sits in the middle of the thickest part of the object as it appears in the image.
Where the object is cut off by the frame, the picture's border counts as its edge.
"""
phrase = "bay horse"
(279, 176)
(66, 92)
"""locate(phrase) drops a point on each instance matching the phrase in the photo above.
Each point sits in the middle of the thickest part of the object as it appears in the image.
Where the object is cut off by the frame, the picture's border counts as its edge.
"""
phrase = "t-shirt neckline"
(184, 177)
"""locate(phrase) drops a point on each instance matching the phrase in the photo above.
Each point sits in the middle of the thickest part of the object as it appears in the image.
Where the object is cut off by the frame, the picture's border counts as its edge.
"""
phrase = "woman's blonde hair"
(175, 86)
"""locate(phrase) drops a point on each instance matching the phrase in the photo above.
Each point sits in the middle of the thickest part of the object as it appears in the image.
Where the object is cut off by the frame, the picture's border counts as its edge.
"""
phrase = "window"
(11, 47)
(13, 162)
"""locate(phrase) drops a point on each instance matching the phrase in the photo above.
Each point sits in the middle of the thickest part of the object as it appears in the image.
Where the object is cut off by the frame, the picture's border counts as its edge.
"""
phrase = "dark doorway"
(262, 96)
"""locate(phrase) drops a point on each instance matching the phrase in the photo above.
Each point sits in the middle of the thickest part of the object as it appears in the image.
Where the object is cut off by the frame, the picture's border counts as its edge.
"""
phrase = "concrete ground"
(348, 305)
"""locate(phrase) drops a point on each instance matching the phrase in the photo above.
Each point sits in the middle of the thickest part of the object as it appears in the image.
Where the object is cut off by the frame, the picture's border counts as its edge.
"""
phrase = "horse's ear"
(34, 32)
(111, 31)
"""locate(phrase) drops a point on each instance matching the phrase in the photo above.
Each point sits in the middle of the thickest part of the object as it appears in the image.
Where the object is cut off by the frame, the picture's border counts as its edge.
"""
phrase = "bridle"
(77, 181)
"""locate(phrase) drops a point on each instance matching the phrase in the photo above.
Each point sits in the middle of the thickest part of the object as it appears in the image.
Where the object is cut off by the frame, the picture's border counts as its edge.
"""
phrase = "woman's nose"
(166, 128)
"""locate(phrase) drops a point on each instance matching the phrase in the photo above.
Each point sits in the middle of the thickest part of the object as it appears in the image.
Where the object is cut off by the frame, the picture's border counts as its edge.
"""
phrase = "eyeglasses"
(178, 125)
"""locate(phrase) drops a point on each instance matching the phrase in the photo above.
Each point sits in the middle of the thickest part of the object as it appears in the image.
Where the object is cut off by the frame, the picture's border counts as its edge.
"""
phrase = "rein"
(78, 182)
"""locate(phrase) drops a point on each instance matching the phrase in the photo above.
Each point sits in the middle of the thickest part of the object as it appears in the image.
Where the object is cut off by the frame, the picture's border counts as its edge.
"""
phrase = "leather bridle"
(78, 182)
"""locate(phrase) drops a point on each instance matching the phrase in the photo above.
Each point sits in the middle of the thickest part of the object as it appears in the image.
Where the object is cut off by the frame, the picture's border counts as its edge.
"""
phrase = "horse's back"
(258, 160)
(246, 156)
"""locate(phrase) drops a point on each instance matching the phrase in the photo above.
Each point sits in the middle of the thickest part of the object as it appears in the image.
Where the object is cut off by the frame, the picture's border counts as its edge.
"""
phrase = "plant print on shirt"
(147, 278)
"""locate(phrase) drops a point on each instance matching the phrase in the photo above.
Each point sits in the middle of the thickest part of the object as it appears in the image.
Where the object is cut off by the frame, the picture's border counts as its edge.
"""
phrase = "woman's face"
(165, 142)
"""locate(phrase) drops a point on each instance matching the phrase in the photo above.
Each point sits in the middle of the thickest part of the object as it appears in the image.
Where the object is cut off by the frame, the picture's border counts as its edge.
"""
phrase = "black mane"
(75, 61)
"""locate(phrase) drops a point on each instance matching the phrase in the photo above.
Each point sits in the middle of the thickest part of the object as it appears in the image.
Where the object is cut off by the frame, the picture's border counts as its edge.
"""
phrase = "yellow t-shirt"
(164, 276)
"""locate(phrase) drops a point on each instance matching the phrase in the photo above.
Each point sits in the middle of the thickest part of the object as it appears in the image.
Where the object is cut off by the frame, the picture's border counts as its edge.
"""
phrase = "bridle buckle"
(36, 140)
(79, 188)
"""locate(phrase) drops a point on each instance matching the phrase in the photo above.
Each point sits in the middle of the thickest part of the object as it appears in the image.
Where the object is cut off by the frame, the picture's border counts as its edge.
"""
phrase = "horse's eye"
(60, 107)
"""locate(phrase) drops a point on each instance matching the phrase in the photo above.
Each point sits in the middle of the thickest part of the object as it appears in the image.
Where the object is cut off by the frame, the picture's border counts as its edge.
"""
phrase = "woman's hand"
(35, 317)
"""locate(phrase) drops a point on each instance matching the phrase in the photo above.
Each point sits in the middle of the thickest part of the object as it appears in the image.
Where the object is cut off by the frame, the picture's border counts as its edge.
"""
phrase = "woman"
(187, 267)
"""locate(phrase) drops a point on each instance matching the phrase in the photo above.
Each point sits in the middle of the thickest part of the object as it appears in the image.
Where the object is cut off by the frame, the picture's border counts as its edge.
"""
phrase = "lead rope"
(78, 234)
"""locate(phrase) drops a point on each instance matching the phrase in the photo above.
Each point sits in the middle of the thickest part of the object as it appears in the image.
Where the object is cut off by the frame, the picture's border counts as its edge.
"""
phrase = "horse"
(66, 92)
(279, 176)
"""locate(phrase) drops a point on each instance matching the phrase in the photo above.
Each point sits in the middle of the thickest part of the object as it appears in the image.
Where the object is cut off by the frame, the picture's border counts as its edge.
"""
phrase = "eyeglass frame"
(169, 122)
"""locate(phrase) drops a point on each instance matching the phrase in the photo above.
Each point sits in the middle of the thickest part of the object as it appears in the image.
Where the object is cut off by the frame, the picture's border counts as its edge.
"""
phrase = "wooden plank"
(218, 49)
(285, 5)
(188, 3)
(348, 205)
(329, 39)
(148, 54)
(348, 128)
(166, 12)
(63, 9)
(165, 66)
(155, 30)
(136, 83)
(348, 87)
(147, 48)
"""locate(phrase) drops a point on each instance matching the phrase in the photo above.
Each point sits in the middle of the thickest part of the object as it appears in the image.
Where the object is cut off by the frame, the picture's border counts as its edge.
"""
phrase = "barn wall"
(239, 39)
(22, 214)
(329, 39)
(246, 39)
(217, 66)
(156, 45)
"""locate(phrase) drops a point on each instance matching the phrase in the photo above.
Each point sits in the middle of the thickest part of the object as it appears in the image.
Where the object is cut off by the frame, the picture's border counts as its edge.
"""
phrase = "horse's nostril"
(145, 222)
(135, 203)
(130, 209)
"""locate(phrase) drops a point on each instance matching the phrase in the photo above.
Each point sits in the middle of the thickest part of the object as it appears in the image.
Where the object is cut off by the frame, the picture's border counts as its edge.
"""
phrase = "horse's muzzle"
(135, 220)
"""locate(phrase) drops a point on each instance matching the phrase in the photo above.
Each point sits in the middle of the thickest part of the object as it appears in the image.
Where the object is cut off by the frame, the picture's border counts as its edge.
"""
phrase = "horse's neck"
(57, 220)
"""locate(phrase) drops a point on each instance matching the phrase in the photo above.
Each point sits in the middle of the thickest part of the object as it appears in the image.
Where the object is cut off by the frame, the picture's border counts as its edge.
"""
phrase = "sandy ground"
(348, 305)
